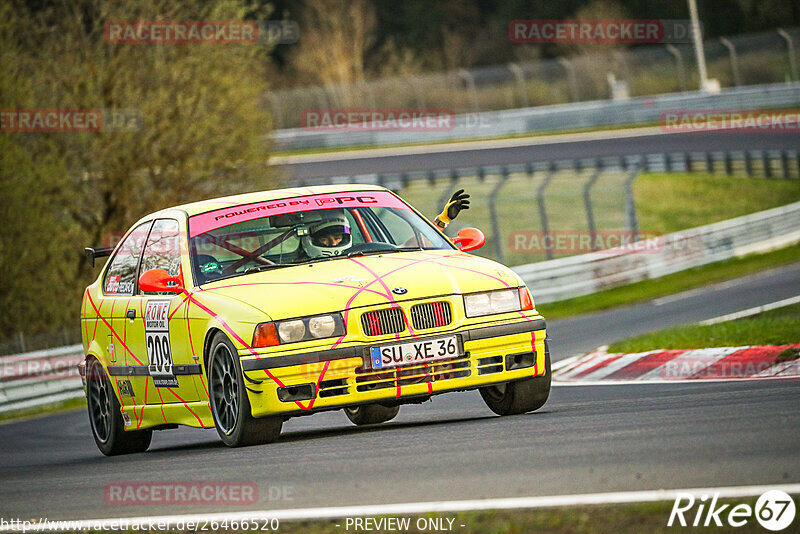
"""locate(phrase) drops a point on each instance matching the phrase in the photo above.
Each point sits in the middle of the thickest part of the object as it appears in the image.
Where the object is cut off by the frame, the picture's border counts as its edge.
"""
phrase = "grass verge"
(633, 518)
(68, 404)
(670, 284)
(774, 327)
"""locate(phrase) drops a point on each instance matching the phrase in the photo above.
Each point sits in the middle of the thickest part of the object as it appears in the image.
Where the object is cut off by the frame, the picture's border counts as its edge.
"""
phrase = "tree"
(198, 132)
(335, 38)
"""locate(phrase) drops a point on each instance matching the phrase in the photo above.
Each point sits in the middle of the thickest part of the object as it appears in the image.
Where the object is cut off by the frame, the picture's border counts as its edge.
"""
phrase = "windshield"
(268, 235)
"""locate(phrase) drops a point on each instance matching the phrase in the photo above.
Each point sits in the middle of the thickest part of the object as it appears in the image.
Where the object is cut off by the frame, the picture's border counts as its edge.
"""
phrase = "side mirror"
(160, 281)
(469, 239)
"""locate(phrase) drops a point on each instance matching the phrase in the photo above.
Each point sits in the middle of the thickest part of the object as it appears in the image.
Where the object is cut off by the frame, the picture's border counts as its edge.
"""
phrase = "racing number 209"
(158, 353)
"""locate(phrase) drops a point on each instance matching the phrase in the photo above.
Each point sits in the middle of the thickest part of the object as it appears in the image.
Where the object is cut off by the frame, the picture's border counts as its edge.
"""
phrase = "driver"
(329, 237)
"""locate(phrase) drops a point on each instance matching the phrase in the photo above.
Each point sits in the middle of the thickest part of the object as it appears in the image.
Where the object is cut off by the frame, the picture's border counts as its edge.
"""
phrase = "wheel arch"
(210, 335)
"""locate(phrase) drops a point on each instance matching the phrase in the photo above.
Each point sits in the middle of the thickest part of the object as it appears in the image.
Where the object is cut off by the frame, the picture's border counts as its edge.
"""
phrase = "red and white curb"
(720, 363)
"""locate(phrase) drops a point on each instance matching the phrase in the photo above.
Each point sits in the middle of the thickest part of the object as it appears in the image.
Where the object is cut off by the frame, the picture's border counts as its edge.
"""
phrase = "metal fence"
(541, 200)
(589, 273)
(763, 58)
(45, 377)
(582, 115)
(582, 195)
(40, 377)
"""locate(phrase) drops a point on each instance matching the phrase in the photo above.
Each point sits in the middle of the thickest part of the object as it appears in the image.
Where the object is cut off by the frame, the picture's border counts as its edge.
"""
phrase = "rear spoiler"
(99, 252)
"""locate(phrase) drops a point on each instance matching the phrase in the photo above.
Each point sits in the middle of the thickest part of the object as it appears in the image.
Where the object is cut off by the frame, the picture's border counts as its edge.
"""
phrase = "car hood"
(345, 283)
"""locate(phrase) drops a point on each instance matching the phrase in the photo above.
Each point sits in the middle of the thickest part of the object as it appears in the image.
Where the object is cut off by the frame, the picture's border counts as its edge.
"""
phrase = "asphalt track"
(586, 439)
(599, 144)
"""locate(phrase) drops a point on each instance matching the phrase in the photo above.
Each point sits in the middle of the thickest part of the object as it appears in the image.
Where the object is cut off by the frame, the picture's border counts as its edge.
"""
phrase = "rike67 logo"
(774, 510)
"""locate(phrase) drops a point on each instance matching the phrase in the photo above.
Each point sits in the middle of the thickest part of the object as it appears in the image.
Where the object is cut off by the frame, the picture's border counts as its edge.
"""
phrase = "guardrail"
(39, 378)
(733, 61)
(575, 276)
(543, 119)
(48, 376)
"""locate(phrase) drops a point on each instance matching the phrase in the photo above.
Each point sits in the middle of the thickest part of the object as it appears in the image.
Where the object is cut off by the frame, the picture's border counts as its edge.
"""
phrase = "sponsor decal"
(206, 222)
(209, 267)
(159, 351)
(112, 283)
(126, 419)
(126, 388)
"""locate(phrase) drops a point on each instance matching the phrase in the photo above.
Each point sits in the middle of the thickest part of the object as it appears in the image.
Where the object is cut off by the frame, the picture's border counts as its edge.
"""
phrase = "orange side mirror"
(159, 281)
(469, 239)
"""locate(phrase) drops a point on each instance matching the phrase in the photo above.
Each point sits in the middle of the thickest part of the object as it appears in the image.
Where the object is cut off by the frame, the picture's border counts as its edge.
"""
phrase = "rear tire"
(521, 396)
(371, 414)
(105, 416)
(230, 405)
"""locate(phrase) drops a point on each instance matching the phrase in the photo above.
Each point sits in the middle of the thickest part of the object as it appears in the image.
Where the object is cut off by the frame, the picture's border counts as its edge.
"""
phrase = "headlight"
(302, 329)
(291, 331)
(322, 326)
(503, 301)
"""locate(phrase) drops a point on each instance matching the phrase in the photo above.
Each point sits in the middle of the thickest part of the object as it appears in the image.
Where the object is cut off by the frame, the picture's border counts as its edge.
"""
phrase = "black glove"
(459, 201)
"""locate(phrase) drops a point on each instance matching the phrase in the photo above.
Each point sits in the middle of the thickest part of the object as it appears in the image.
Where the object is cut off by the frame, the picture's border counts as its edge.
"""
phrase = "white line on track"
(752, 311)
(729, 492)
(680, 382)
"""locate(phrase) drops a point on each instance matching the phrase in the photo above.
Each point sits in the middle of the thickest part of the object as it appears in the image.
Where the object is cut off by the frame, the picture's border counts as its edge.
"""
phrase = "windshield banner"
(206, 222)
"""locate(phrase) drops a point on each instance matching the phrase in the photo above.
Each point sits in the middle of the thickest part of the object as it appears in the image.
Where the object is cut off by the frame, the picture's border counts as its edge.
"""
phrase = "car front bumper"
(331, 379)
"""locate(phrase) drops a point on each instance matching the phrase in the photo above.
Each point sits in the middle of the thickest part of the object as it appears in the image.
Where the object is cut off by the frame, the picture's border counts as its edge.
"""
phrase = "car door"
(126, 367)
(161, 334)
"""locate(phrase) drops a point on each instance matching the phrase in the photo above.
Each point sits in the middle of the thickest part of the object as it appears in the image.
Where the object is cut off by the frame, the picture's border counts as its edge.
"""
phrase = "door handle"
(131, 314)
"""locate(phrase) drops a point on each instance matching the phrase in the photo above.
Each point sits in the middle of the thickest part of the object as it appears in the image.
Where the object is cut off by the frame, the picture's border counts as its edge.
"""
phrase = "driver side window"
(120, 278)
(163, 249)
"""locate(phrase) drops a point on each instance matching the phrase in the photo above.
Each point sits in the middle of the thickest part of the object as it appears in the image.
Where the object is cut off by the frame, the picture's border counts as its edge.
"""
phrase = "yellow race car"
(241, 312)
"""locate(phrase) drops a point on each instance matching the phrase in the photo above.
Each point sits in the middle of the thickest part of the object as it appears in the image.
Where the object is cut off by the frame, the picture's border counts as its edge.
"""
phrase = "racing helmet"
(329, 237)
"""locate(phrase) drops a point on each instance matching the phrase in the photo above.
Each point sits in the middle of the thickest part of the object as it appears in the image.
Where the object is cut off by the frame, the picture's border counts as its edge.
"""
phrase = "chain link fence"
(762, 58)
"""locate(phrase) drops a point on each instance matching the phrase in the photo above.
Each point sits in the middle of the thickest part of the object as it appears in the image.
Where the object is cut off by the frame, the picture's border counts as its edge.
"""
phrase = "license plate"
(414, 352)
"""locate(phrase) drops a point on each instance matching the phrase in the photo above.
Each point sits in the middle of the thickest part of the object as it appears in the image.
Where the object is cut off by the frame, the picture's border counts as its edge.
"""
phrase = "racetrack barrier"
(554, 118)
(48, 376)
(41, 377)
(589, 273)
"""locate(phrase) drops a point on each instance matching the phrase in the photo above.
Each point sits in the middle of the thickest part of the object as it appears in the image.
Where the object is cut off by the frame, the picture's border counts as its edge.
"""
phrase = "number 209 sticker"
(159, 352)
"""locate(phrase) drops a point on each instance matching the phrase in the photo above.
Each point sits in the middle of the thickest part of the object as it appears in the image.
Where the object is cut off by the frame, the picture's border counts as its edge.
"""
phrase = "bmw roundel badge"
(399, 291)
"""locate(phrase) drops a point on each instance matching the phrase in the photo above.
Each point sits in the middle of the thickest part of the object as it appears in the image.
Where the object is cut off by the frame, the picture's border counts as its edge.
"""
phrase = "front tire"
(105, 416)
(230, 405)
(521, 396)
(371, 414)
